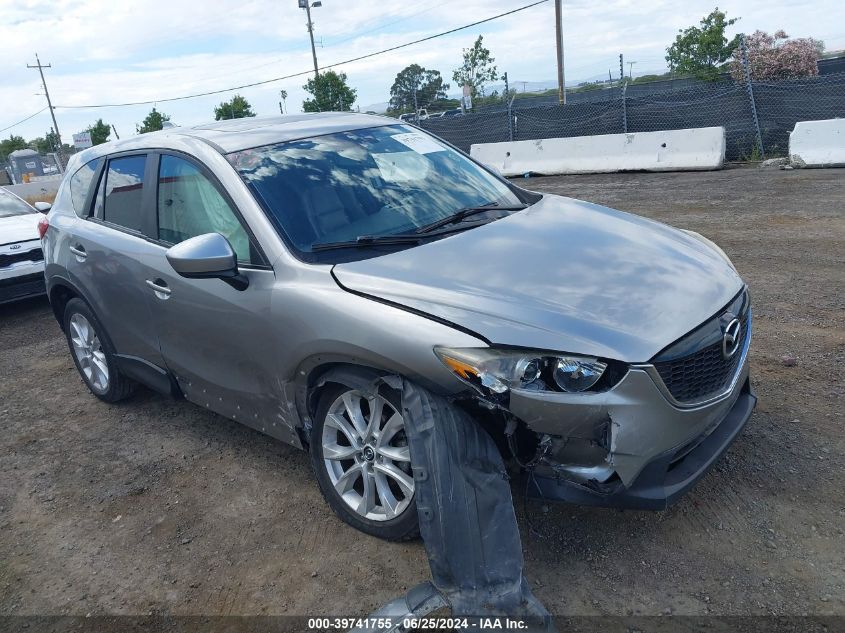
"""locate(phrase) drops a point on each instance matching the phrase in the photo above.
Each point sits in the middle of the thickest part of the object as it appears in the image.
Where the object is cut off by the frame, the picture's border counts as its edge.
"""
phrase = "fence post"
(510, 119)
(743, 47)
(624, 108)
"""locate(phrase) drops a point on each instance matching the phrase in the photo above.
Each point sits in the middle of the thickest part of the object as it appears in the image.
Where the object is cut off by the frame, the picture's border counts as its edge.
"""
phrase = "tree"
(477, 69)
(701, 50)
(100, 132)
(236, 108)
(330, 92)
(11, 144)
(283, 95)
(778, 57)
(427, 84)
(45, 144)
(153, 122)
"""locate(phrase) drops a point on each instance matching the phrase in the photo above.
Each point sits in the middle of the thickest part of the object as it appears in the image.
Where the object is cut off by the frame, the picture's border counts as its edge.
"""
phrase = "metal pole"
(49, 103)
(624, 109)
(624, 85)
(561, 85)
(311, 35)
(416, 110)
(510, 118)
(743, 47)
(114, 129)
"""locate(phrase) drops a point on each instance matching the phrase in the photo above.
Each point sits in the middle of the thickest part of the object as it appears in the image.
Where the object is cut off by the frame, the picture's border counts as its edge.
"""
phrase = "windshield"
(10, 205)
(373, 182)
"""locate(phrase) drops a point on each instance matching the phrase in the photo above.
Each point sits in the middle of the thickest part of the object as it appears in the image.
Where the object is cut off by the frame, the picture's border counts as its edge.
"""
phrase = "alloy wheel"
(365, 452)
(89, 353)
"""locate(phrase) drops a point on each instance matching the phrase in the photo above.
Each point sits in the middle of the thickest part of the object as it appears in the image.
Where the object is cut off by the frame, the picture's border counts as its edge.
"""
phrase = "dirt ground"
(156, 506)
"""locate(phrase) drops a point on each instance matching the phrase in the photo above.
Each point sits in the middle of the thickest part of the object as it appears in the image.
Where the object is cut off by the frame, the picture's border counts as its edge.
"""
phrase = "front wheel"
(360, 455)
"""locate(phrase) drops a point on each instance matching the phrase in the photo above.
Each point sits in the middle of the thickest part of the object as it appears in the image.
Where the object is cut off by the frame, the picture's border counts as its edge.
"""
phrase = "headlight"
(578, 374)
(711, 244)
(497, 371)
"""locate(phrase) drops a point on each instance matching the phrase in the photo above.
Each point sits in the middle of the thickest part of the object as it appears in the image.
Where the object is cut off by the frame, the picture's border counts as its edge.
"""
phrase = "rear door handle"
(79, 251)
(160, 288)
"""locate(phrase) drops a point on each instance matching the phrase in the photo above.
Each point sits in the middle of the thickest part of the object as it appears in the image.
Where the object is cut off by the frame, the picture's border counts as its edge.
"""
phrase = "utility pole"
(114, 129)
(41, 68)
(621, 68)
(561, 85)
(307, 5)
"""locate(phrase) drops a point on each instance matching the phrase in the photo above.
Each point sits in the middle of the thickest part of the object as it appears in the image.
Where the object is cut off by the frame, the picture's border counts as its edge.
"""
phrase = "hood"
(563, 275)
(19, 228)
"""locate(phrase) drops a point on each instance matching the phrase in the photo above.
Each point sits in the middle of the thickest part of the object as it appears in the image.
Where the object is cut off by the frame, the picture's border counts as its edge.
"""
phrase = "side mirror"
(208, 256)
(43, 207)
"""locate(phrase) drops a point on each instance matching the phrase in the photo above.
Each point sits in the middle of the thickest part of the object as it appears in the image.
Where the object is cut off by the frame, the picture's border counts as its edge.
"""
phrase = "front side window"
(11, 205)
(189, 205)
(124, 188)
(372, 182)
(80, 183)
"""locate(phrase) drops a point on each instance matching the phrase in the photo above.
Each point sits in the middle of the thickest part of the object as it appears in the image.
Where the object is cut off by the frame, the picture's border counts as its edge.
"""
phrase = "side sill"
(148, 374)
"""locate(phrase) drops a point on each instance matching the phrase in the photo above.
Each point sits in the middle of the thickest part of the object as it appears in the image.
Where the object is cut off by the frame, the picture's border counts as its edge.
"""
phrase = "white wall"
(41, 188)
(818, 143)
(671, 150)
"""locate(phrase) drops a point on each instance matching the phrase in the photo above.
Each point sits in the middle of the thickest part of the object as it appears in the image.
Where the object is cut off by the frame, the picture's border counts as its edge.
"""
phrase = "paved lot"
(155, 506)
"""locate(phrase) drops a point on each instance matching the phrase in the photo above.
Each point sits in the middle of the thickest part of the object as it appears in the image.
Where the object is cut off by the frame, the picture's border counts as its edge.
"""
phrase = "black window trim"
(207, 173)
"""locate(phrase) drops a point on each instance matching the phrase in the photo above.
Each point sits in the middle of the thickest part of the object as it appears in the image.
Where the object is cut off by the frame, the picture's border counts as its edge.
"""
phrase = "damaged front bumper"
(630, 447)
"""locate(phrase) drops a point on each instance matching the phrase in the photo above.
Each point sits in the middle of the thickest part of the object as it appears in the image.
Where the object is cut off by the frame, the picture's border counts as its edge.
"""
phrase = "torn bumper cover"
(636, 448)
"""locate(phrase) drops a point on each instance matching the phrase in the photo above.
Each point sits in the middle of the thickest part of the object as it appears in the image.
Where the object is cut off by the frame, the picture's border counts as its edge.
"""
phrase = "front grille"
(34, 255)
(704, 372)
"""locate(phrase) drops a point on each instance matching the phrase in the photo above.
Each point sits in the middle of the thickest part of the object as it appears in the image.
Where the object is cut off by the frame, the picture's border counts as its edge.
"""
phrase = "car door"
(215, 339)
(106, 250)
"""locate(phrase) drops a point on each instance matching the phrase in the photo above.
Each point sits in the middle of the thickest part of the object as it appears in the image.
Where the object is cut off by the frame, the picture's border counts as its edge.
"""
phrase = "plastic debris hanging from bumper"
(466, 514)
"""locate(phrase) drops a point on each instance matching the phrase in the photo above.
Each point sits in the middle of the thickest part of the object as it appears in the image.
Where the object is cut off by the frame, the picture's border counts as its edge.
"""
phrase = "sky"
(104, 52)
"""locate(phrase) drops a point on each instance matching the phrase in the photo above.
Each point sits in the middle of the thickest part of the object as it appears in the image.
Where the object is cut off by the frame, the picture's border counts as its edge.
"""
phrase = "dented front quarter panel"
(643, 423)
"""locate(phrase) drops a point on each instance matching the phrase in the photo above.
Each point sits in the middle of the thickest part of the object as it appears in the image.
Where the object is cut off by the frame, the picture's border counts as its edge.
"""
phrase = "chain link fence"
(770, 116)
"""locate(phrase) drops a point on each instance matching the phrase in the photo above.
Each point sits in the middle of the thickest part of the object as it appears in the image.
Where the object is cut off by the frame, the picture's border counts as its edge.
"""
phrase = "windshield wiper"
(463, 214)
(363, 241)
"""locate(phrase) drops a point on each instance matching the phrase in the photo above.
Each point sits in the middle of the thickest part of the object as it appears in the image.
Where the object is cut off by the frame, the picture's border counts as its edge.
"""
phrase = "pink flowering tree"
(777, 57)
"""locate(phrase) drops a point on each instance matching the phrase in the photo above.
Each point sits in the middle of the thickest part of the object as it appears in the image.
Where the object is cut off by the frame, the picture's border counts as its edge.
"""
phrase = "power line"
(31, 116)
(304, 72)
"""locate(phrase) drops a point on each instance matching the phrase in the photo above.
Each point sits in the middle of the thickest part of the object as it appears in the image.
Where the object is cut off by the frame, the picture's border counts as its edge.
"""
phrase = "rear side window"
(124, 189)
(80, 183)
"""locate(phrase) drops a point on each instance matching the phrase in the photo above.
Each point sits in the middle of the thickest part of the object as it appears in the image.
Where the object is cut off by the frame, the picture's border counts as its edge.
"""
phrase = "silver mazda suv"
(248, 265)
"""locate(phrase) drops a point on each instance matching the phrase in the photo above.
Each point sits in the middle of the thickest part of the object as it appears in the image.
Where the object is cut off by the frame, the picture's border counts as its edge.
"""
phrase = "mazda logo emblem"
(731, 339)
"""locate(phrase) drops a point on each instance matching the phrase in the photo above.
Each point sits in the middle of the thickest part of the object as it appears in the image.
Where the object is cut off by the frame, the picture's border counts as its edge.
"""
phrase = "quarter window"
(124, 189)
(189, 204)
(80, 183)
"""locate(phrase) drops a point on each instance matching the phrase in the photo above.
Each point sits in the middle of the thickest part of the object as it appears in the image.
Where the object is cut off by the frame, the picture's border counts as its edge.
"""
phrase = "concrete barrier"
(36, 189)
(818, 143)
(671, 150)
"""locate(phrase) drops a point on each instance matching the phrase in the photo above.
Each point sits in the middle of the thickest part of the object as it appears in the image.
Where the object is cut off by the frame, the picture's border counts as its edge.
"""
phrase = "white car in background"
(21, 257)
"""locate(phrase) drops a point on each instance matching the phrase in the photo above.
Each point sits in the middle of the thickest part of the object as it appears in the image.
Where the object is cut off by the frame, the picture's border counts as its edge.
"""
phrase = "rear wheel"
(360, 455)
(92, 353)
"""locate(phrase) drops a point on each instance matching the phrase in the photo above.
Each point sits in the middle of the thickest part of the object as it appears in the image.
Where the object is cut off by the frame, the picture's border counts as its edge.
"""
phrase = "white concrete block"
(818, 143)
(671, 150)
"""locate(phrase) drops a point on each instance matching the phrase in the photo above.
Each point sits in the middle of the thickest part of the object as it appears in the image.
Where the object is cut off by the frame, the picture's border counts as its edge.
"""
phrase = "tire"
(93, 353)
(373, 471)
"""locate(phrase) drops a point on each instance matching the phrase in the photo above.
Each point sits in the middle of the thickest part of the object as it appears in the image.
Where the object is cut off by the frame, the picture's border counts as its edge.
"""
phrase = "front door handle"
(160, 288)
(79, 251)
